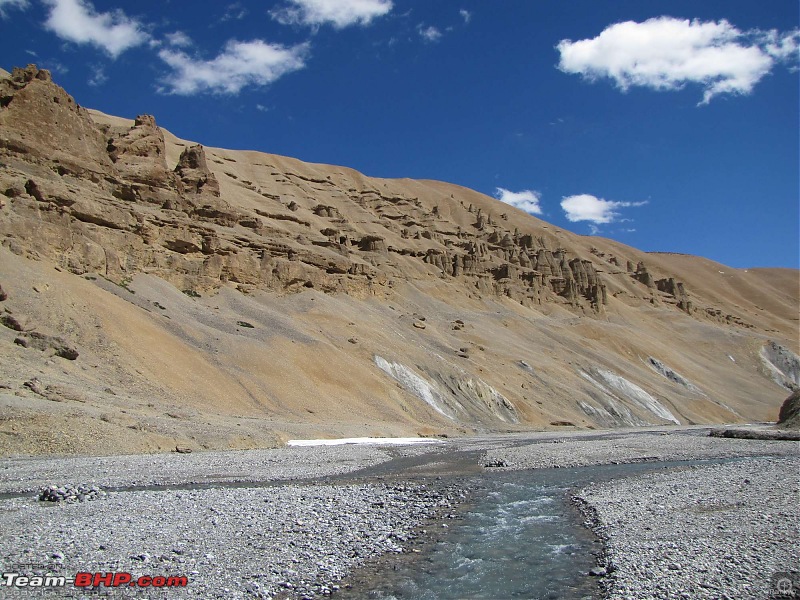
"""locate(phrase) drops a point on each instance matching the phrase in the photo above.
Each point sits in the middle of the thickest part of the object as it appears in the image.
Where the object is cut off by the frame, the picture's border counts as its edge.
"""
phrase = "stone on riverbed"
(69, 493)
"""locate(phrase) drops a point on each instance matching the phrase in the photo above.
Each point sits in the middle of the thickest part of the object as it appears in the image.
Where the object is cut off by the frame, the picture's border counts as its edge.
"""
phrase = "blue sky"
(669, 126)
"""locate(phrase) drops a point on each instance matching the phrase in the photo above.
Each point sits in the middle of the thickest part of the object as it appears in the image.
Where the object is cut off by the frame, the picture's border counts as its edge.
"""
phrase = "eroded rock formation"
(511, 319)
(106, 199)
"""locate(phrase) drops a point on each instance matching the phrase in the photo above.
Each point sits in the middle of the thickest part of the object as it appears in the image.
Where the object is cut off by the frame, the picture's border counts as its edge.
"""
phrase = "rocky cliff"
(224, 298)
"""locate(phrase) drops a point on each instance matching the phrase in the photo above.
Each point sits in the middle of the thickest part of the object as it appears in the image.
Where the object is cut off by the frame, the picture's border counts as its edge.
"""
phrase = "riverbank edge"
(607, 571)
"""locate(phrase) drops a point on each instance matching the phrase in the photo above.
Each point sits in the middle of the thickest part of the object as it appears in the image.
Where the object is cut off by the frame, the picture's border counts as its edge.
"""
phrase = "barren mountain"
(161, 293)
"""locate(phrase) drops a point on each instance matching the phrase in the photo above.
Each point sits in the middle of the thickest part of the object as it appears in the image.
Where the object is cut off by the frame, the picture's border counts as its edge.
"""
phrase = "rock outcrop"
(47, 343)
(139, 155)
(782, 364)
(131, 177)
(107, 200)
(42, 123)
(789, 416)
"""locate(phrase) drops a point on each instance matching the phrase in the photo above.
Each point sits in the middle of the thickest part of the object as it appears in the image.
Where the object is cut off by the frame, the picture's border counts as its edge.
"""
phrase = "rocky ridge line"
(106, 201)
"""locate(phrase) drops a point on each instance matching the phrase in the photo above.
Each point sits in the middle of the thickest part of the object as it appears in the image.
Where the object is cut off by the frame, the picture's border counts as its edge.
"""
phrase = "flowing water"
(520, 538)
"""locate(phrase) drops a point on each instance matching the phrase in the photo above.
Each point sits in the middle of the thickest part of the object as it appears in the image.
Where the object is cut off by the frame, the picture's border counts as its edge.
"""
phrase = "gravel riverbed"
(668, 445)
(28, 474)
(711, 531)
(288, 540)
(295, 522)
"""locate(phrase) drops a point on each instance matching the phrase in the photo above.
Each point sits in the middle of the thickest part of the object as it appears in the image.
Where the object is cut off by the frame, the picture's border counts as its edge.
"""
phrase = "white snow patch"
(632, 392)
(414, 384)
(733, 359)
(364, 440)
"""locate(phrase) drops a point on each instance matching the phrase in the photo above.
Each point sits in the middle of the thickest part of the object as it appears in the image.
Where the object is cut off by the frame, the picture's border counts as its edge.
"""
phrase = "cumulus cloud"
(665, 53)
(77, 21)
(339, 13)
(781, 46)
(430, 33)
(585, 207)
(6, 4)
(527, 200)
(178, 39)
(239, 64)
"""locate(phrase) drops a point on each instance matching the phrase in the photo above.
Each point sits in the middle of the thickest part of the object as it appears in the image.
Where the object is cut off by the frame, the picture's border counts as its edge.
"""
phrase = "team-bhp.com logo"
(87, 580)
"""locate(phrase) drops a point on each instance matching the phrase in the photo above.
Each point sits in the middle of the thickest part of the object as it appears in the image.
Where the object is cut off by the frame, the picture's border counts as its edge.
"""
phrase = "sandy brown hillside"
(220, 298)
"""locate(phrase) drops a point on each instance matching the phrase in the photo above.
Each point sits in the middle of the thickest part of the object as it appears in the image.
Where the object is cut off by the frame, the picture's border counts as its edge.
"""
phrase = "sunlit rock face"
(371, 307)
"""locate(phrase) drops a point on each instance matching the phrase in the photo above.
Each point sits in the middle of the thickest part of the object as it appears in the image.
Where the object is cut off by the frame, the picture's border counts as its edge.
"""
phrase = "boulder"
(15, 322)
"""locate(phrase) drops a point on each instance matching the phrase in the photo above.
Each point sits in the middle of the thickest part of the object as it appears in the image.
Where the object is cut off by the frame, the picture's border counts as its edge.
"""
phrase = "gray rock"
(43, 342)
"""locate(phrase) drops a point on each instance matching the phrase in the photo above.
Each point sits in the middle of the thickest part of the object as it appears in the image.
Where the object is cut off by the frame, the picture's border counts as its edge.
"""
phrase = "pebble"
(704, 517)
(296, 539)
(172, 468)
(648, 447)
(293, 540)
(70, 493)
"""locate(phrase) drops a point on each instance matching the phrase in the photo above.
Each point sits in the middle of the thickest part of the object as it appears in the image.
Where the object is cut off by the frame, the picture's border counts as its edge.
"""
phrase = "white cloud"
(429, 34)
(665, 54)
(585, 207)
(527, 200)
(234, 12)
(781, 46)
(339, 13)
(178, 39)
(240, 64)
(5, 4)
(466, 15)
(99, 77)
(77, 21)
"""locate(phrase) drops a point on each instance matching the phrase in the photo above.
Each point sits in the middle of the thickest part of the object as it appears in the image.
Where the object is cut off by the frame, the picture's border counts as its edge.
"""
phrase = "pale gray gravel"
(231, 543)
(295, 540)
(27, 474)
(710, 531)
(669, 445)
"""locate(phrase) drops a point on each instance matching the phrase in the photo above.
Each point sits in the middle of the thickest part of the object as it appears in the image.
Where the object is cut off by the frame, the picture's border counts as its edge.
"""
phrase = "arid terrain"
(158, 293)
(159, 298)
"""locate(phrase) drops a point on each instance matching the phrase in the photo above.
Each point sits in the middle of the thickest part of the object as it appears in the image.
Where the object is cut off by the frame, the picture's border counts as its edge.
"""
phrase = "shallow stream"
(519, 538)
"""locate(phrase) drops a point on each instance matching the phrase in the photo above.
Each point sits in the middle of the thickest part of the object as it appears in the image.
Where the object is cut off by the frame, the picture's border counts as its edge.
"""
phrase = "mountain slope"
(223, 298)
